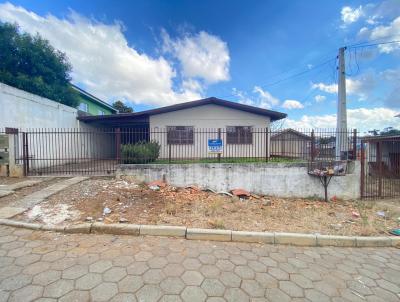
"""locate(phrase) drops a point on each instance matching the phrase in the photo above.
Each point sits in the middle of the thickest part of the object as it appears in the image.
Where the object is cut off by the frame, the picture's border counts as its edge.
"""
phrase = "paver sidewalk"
(76, 267)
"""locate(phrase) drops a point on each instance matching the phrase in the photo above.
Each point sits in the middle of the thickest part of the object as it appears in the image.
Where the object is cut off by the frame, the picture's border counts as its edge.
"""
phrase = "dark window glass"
(180, 135)
(239, 135)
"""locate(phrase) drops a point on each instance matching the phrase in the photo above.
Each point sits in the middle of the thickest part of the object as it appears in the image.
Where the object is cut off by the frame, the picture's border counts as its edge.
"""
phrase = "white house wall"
(209, 117)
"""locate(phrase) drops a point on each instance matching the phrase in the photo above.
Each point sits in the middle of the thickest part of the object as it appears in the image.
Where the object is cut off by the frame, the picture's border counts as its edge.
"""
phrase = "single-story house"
(91, 105)
(290, 143)
(183, 130)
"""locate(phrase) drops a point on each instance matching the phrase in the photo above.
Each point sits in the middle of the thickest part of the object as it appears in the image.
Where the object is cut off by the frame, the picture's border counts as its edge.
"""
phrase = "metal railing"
(380, 167)
(99, 151)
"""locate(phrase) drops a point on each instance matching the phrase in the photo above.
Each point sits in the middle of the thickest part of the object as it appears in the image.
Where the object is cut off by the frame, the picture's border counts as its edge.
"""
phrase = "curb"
(296, 239)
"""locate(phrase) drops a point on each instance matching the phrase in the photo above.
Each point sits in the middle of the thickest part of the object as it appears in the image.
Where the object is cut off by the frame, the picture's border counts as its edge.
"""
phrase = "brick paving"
(40, 266)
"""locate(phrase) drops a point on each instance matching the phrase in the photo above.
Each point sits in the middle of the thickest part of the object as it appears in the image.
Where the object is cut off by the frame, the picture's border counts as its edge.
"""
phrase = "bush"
(140, 153)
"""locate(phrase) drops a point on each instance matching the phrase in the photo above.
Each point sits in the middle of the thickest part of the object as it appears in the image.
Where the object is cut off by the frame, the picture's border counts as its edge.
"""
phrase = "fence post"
(169, 153)
(379, 160)
(219, 137)
(266, 144)
(25, 154)
(312, 145)
(362, 184)
(354, 144)
(118, 144)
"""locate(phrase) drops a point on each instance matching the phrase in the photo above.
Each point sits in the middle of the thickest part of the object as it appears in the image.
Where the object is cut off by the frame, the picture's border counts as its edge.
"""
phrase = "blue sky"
(156, 53)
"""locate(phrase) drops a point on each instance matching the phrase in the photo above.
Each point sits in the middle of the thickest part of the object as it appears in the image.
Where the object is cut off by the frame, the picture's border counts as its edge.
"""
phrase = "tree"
(122, 108)
(389, 131)
(30, 63)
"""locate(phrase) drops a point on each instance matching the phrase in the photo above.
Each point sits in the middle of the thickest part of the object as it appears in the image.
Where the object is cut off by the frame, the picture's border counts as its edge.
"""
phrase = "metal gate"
(380, 167)
(68, 151)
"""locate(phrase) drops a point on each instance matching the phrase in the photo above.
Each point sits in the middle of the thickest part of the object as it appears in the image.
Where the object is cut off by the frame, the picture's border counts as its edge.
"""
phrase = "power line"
(298, 74)
(373, 40)
(291, 76)
(352, 46)
(374, 44)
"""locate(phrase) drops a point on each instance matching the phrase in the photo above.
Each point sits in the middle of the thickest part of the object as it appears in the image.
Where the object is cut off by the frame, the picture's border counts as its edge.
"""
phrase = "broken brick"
(240, 192)
(158, 183)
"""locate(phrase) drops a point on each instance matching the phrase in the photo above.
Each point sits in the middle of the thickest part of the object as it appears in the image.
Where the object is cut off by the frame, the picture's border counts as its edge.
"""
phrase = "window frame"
(180, 138)
(240, 137)
(101, 112)
(85, 105)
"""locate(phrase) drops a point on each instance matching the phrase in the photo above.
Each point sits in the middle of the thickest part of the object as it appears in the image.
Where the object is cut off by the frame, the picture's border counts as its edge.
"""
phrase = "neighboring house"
(290, 143)
(185, 128)
(91, 105)
(384, 149)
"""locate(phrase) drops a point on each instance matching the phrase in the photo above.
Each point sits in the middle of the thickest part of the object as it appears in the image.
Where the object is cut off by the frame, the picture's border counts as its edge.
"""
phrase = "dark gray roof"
(292, 131)
(274, 115)
(93, 98)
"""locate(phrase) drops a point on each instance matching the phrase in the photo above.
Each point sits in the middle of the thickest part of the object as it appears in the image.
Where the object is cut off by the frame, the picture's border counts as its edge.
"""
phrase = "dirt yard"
(139, 204)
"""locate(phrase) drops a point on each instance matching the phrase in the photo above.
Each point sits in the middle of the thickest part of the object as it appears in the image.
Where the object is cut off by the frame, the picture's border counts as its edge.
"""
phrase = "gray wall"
(24, 110)
(21, 109)
(283, 180)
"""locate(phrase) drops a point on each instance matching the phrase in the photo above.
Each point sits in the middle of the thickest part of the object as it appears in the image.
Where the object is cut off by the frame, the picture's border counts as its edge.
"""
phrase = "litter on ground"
(127, 201)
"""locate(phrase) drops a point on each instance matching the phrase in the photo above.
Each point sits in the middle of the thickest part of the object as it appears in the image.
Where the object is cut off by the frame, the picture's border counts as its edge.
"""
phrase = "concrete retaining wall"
(284, 180)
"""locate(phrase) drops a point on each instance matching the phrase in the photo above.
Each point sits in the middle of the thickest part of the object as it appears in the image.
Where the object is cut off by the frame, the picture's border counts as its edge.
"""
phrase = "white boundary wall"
(274, 179)
(22, 110)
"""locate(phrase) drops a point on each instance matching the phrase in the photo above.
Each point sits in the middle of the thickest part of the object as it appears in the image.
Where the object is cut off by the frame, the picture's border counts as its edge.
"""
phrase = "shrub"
(140, 153)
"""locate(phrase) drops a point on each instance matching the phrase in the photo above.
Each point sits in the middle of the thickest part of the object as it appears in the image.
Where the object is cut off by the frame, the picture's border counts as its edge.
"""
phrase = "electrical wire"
(374, 44)
(349, 47)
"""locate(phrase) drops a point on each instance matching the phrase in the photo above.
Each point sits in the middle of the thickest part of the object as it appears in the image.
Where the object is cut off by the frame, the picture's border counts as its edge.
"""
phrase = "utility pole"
(341, 115)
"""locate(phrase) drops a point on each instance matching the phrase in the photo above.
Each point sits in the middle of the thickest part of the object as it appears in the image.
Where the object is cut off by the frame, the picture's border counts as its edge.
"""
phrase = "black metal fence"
(99, 151)
(380, 167)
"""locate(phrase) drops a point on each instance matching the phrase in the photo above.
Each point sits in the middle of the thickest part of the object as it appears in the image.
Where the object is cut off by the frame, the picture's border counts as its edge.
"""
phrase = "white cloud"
(260, 98)
(107, 66)
(320, 98)
(351, 15)
(329, 88)
(379, 32)
(363, 119)
(360, 86)
(292, 104)
(201, 55)
(265, 99)
(242, 97)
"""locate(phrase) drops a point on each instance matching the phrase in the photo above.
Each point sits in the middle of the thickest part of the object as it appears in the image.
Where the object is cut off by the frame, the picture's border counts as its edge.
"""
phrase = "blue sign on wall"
(215, 145)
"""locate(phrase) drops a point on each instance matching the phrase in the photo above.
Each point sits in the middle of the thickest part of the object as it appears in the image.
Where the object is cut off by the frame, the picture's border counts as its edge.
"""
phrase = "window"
(179, 135)
(101, 112)
(239, 135)
(83, 107)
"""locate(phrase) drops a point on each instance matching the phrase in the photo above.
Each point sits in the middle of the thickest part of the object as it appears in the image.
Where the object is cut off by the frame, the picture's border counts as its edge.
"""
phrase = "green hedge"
(140, 153)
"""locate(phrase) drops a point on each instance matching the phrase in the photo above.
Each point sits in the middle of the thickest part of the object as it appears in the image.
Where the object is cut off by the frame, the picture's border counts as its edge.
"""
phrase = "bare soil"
(192, 207)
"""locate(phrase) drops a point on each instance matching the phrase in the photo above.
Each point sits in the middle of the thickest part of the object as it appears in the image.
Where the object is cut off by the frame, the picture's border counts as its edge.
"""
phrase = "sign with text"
(215, 146)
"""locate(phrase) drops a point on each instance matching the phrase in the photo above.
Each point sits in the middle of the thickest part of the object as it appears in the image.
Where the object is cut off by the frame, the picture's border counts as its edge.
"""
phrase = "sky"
(278, 55)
